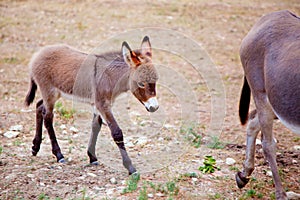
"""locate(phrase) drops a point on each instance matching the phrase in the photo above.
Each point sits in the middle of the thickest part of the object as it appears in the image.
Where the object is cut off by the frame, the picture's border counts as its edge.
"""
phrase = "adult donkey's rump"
(270, 55)
(97, 79)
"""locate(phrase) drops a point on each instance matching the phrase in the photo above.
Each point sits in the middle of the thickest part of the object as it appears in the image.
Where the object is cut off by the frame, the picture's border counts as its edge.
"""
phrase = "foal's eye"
(141, 84)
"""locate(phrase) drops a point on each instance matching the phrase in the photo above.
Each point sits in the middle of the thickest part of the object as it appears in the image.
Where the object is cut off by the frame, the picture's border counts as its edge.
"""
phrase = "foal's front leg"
(96, 126)
(117, 135)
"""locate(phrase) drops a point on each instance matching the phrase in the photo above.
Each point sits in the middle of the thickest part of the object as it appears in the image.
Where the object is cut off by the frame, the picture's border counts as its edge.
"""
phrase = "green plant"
(192, 136)
(216, 143)
(233, 168)
(84, 197)
(17, 143)
(63, 112)
(43, 196)
(172, 188)
(143, 193)
(132, 183)
(209, 165)
(1, 150)
(250, 193)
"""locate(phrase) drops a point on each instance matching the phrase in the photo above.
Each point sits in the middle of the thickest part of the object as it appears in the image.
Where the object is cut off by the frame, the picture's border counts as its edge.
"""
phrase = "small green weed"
(43, 196)
(63, 112)
(192, 136)
(1, 150)
(216, 143)
(132, 183)
(143, 193)
(84, 197)
(209, 165)
(233, 168)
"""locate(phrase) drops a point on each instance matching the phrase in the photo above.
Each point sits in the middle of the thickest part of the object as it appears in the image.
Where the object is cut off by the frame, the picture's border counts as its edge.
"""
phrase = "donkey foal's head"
(143, 75)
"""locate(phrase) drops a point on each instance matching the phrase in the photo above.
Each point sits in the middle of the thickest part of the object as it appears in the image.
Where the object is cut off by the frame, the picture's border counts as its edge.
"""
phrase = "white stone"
(91, 174)
(30, 175)
(230, 161)
(16, 128)
(64, 132)
(292, 195)
(194, 179)
(129, 144)
(150, 196)
(167, 126)
(42, 184)
(297, 147)
(113, 180)
(74, 130)
(63, 127)
(294, 161)
(110, 191)
(11, 134)
(269, 173)
(142, 141)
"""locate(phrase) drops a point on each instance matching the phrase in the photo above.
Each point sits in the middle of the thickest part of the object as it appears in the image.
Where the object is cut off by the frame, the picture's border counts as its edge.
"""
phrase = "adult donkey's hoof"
(240, 180)
(132, 170)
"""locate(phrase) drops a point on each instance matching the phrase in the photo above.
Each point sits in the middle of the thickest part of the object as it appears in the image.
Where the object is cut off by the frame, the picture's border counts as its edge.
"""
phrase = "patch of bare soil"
(166, 153)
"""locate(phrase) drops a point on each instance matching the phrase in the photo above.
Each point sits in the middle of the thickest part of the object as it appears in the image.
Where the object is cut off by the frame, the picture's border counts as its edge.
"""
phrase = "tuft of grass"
(143, 193)
(216, 143)
(43, 196)
(84, 197)
(132, 183)
(63, 112)
(209, 165)
(192, 136)
(1, 150)
(234, 168)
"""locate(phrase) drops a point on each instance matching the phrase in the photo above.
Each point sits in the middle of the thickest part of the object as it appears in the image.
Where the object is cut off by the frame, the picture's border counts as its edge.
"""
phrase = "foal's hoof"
(240, 180)
(62, 160)
(34, 152)
(94, 163)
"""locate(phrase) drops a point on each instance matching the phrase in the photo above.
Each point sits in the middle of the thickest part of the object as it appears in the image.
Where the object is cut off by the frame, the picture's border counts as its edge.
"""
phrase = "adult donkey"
(270, 55)
(96, 79)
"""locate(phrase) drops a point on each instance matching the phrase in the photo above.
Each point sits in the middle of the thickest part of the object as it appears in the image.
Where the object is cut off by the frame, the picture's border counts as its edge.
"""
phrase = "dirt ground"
(161, 145)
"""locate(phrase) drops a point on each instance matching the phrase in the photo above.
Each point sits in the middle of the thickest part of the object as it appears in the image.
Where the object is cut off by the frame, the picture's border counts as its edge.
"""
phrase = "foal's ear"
(146, 47)
(129, 56)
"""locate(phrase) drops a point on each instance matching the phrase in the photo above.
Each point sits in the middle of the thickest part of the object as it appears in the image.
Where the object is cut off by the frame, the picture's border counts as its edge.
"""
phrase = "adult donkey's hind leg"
(96, 126)
(253, 128)
(266, 117)
(39, 128)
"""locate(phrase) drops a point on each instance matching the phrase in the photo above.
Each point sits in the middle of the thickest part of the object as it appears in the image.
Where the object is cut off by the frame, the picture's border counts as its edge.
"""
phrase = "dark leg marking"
(39, 128)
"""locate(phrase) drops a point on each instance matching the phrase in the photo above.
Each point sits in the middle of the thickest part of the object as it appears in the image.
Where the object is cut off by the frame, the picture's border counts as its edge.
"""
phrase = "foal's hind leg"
(48, 122)
(253, 129)
(96, 126)
(39, 128)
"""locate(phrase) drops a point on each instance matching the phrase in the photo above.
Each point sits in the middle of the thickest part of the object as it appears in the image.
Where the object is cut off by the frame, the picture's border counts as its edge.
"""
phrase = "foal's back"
(56, 66)
(270, 54)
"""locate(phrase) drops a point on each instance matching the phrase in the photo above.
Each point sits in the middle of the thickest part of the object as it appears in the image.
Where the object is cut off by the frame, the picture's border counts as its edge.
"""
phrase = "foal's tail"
(31, 93)
(244, 102)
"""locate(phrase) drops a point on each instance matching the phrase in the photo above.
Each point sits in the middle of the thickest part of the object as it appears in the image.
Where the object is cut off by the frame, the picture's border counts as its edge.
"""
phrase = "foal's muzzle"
(151, 105)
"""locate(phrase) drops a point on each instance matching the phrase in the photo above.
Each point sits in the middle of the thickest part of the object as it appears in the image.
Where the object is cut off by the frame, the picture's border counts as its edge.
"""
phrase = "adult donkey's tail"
(31, 93)
(244, 102)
